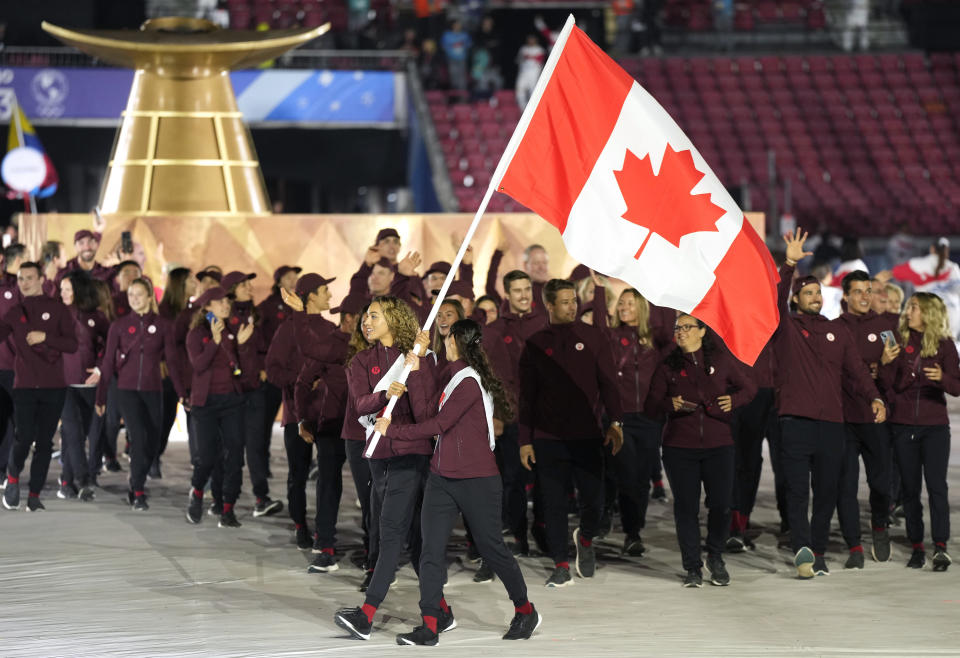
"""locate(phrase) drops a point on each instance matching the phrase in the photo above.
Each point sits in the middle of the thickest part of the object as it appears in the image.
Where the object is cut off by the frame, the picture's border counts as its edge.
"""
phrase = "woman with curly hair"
(397, 468)
(917, 376)
(463, 480)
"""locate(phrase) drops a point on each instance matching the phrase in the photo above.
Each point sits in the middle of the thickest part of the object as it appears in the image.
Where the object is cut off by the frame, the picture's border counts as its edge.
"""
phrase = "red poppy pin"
(375, 370)
(508, 339)
(234, 320)
(549, 351)
(206, 339)
(806, 334)
(625, 342)
(23, 319)
(131, 330)
(909, 349)
(683, 373)
(280, 315)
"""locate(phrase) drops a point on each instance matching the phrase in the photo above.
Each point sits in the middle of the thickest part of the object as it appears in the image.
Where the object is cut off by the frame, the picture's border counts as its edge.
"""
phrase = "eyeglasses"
(684, 328)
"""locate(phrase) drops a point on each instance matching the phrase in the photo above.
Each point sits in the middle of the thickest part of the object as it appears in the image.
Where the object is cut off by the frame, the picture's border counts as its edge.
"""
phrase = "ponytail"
(469, 338)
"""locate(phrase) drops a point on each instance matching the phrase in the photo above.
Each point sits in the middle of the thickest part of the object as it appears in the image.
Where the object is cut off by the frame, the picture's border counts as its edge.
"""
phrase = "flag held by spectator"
(596, 156)
(23, 135)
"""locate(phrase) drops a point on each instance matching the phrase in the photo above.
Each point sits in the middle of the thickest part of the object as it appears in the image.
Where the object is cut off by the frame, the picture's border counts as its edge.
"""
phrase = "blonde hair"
(400, 319)
(936, 325)
(644, 333)
(894, 292)
(437, 342)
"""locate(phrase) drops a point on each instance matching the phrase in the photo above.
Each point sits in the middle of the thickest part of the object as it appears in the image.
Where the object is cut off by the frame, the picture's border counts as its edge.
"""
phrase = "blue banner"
(264, 96)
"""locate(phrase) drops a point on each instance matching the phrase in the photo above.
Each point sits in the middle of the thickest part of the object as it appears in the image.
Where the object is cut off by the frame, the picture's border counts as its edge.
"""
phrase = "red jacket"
(320, 392)
(136, 345)
(41, 365)
(214, 364)
(915, 399)
(282, 364)
(273, 311)
(513, 331)
(567, 380)
(817, 359)
(363, 373)
(865, 331)
(91, 329)
(708, 426)
(463, 445)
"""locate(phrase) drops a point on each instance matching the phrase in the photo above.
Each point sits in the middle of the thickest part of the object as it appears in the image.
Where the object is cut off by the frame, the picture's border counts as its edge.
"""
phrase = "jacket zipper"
(699, 411)
(636, 373)
(140, 369)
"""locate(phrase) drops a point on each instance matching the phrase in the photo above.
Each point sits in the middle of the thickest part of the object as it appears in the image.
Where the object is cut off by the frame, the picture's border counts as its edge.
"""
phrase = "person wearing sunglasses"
(697, 387)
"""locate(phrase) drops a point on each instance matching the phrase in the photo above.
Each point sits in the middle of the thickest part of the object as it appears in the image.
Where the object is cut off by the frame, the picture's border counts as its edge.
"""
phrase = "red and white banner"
(596, 156)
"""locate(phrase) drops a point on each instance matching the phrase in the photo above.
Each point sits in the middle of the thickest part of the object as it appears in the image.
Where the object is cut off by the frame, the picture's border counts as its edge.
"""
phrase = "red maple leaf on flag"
(662, 202)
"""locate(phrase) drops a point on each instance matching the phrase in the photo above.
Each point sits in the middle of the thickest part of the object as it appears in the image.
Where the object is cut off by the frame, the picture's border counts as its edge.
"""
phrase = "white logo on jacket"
(152, 329)
(831, 337)
(91, 323)
(872, 338)
(45, 317)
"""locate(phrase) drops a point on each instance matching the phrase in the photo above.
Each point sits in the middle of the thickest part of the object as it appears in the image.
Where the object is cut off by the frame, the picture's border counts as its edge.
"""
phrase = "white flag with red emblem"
(596, 156)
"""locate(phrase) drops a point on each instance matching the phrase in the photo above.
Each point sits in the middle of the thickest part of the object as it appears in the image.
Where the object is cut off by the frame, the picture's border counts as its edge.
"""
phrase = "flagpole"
(29, 202)
(501, 168)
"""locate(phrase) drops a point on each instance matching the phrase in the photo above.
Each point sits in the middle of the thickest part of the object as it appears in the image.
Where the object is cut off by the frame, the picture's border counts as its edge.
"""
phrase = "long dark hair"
(358, 342)
(175, 292)
(85, 296)
(468, 335)
(675, 360)
(104, 299)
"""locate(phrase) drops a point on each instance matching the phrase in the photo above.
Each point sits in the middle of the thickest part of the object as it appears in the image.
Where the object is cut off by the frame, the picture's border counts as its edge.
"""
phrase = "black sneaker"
(195, 508)
(367, 577)
(473, 553)
(484, 573)
(228, 520)
(520, 548)
(854, 560)
(11, 496)
(539, 534)
(304, 541)
(522, 626)
(140, 504)
(67, 491)
(446, 621)
(34, 504)
(694, 578)
(718, 571)
(559, 578)
(881, 545)
(421, 635)
(820, 566)
(266, 507)
(918, 559)
(633, 546)
(659, 493)
(606, 524)
(87, 494)
(941, 560)
(216, 508)
(586, 563)
(354, 621)
(113, 466)
(316, 547)
(735, 544)
(154, 473)
(323, 563)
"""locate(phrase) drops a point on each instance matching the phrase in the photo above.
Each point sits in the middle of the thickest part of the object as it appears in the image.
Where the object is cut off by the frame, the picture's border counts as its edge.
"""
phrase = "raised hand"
(408, 266)
(291, 300)
(794, 241)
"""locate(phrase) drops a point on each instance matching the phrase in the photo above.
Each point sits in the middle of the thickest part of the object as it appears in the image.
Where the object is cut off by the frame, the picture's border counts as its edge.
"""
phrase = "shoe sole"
(804, 567)
(873, 554)
(12, 508)
(313, 569)
(407, 643)
(193, 521)
(270, 511)
(941, 565)
(555, 585)
(231, 527)
(453, 625)
(692, 585)
(39, 509)
(347, 626)
(481, 582)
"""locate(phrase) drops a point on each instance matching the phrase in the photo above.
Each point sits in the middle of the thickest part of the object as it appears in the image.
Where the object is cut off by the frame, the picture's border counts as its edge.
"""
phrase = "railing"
(362, 60)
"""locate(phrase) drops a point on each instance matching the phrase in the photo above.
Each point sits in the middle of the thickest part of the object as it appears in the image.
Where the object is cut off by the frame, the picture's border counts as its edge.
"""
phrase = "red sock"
(857, 549)
(585, 542)
(565, 565)
(879, 529)
(744, 521)
(137, 494)
(227, 508)
(430, 622)
(369, 611)
(524, 609)
(658, 483)
(940, 545)
(734, 521)
(298, 525)
(444, 606)
(34, 495)
(12, 480)
(198, 493)
(815, 554)
(328, 551)
(918, 547)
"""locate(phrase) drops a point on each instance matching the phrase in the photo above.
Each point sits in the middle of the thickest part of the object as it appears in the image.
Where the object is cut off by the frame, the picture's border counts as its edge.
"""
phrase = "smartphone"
(688, 406)
(887, 337)
(126, 242)
(211, 317)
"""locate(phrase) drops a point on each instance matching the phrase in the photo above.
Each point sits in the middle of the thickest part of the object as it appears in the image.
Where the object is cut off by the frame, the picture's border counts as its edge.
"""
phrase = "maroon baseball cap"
(384, 262)
(283, 270)
(387, 233)
(352, 304)
(213, 274)
(84, 233)
(310, 281)
(579, 272)
(441, 266)
(231, 279)
(802, 281)
(461, 289)
(215, 293)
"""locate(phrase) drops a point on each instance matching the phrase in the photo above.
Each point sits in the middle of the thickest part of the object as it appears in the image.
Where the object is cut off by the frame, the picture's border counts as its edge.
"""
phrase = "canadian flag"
(596, 156)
